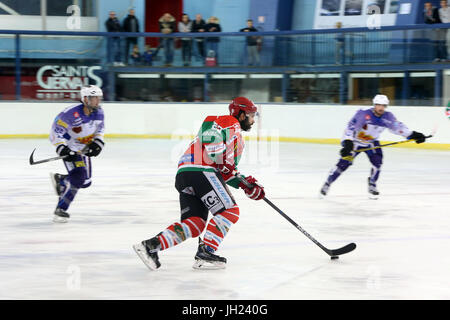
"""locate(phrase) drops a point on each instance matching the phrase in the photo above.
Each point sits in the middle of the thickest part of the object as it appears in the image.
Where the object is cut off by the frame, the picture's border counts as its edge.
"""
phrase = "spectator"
(431, 16)
(444, 16)
(198, 25)
(185, 25)
(130, 24)
(166, 26)
(339, 54)
(252, 44)
(212, 43)
(135, 55)
(113, 43)
(147, 56)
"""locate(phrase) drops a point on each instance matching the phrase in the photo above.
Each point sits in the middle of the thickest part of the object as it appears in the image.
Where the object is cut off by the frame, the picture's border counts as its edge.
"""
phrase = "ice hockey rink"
(403, 238)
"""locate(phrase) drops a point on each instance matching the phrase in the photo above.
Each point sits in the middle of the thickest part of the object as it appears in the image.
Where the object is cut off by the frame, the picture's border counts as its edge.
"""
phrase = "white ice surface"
(403, 238)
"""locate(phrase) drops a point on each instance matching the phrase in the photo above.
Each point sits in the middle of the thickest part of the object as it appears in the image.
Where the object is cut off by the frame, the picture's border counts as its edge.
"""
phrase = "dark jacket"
(167, 26)
(252, 40)
(198, 25)
(209, 27)
(129, 22)
(433, 18)
(113, 25)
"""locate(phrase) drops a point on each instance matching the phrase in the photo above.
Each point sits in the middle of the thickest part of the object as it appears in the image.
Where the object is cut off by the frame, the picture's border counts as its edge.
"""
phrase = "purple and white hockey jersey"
(75, 129)
(365, 127)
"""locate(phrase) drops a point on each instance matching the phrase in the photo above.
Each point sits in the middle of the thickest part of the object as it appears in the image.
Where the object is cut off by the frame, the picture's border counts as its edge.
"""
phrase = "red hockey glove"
(226, 168)
(254, 191)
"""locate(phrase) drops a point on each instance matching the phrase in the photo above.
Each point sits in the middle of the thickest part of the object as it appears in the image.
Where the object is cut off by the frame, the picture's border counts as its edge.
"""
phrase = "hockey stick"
(333, 253)
(32, 162)
(350, 158)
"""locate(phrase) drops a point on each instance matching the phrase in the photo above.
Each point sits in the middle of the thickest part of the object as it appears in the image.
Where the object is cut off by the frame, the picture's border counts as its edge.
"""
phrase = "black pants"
(201, 192)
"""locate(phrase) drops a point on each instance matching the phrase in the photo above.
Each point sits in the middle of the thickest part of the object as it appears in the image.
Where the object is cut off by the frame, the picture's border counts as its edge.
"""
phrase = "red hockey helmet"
(242, 104)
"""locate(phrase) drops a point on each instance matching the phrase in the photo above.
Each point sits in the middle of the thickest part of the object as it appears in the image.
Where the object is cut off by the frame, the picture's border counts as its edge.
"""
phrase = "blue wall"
(303, 14)
(232, 14)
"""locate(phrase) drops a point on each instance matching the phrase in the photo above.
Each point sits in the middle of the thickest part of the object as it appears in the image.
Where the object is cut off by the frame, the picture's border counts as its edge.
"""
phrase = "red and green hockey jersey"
(218, 139)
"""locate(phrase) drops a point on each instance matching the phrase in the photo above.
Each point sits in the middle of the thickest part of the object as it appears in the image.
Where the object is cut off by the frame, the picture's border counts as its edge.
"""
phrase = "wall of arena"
(288, 123)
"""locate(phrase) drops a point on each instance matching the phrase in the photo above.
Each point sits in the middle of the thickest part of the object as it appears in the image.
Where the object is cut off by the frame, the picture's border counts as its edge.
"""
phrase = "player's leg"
(376, 159)
(192, 223)
(76, 179)
(340, 167)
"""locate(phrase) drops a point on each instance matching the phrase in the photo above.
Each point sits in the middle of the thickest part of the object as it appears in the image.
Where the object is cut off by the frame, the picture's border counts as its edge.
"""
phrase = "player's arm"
(353, 127)
(399, 128)
(59, 137)
(96, 146)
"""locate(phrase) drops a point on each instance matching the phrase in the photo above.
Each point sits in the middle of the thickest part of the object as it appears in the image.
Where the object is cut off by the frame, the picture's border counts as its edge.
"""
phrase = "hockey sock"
(179, 231)
(219, 226)
(374, 174)
(67, 197)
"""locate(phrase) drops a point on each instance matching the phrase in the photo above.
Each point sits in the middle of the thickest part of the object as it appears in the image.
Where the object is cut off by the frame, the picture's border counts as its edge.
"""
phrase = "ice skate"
(56, 179)
(205, 259)
(61, 216)
(148, 252)
(324, 190)
(373, 192)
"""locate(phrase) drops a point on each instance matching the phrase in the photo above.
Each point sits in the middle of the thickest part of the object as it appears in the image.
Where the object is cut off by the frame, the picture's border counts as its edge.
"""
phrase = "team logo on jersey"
(363, 136)
(86, 140)
(212, 201)
(76, 129)
(76, 114)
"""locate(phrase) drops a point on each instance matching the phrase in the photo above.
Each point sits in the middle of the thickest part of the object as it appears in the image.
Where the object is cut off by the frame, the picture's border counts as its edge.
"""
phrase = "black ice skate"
(61, 216)
(205, 258)
(56, 179)
(147, 250)
(373, 192)
(324, 190)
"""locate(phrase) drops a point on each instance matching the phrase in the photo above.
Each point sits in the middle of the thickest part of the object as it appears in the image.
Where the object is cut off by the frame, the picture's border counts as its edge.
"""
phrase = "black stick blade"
(346, 249)
(31, 157)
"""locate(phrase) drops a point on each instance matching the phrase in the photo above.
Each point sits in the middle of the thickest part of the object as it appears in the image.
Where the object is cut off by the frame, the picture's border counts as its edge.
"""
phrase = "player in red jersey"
(204, 173)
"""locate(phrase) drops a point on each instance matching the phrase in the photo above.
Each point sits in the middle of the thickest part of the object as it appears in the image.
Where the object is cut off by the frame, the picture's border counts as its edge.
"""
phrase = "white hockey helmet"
(380, 99)
(91, 91)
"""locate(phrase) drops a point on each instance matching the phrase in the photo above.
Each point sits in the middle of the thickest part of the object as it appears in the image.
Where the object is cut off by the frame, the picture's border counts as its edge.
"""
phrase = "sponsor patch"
(212, 201)
(367, 117)
(76, 114)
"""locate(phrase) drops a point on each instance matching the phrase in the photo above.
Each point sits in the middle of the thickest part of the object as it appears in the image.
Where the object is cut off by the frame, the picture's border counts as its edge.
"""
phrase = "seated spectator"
(252, 44)
(167, 25)
(212, 43)
(135, 55)
(147, 56)
(185, 25)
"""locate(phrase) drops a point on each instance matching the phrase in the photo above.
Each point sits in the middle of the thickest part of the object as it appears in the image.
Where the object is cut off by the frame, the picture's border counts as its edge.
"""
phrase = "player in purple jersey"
(362, 132)
(77, 133)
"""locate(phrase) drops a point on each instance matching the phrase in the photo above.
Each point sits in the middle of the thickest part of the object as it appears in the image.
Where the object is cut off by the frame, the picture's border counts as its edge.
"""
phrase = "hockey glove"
(419, 137)
(226, 167)
(254, 191)
(347, 148)
(71, 156)
(94, 148)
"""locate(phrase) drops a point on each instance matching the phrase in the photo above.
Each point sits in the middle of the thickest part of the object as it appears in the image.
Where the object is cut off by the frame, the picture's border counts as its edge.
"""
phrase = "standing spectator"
(167, 25)
(339, 54)
(130, 24)
(252, 44)
(431, 16)
(444, 16)
(113, 43)
(198, 25)
(185, 25)
(212, 43)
